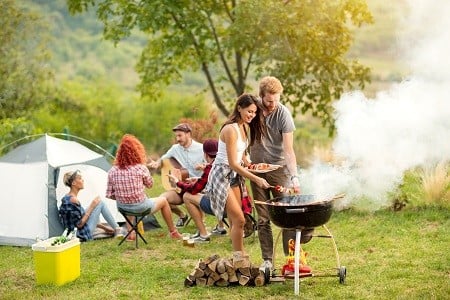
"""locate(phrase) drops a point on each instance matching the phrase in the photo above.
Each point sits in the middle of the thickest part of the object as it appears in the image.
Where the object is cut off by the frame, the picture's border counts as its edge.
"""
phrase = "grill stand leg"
(298, 235)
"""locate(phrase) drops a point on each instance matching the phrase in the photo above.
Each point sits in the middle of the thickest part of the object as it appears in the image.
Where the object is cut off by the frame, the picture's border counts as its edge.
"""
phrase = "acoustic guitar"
(172, 166)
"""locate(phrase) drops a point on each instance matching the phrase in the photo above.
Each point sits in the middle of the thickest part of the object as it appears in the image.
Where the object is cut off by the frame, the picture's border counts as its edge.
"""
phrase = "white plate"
(270, 168)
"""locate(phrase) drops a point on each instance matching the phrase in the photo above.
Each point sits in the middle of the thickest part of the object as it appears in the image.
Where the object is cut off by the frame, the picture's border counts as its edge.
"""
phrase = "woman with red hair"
(127, 181)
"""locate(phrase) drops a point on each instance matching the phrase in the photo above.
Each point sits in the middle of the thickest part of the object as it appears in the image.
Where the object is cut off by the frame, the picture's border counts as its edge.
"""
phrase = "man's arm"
(291, 160)
(156, 164)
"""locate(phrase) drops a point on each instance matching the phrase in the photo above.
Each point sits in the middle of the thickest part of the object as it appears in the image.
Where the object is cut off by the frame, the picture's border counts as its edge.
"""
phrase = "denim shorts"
(148, 203)
(205, 205)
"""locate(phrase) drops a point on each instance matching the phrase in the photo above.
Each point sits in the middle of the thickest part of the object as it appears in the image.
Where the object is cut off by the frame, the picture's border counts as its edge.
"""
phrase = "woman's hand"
(93, 204)
(262, 183)
(96, 201)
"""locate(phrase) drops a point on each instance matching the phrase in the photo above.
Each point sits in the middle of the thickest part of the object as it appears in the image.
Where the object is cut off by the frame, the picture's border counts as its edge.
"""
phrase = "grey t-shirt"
(270, 150)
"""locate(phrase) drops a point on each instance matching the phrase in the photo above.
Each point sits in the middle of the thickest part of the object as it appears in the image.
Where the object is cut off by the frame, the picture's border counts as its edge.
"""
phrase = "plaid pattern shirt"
(217, 188)
(70, 215)
(199, 185)
(127, 186)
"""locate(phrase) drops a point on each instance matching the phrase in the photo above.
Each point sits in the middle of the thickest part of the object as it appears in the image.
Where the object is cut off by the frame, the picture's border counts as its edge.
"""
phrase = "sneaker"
(175, 235)
(267, 264)
(218, 231)
(195, 235)
(181, 221)
(118, 233)
(201, 239)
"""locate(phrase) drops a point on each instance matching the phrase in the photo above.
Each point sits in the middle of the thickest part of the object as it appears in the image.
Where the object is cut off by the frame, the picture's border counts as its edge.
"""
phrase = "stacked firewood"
(216, 271)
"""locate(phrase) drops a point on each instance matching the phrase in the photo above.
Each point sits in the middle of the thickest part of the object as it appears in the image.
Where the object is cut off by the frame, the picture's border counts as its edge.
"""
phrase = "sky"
(403, 127)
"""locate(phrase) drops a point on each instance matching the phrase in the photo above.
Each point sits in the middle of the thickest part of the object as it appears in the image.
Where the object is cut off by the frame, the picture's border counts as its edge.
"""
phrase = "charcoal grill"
(302, 212)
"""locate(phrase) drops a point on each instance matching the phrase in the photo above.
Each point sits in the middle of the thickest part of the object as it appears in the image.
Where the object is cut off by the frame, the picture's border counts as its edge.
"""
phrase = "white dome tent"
(31, 187)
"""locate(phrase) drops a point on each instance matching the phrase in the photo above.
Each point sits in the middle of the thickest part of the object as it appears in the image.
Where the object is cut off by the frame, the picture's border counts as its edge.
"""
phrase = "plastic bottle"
(74, 233)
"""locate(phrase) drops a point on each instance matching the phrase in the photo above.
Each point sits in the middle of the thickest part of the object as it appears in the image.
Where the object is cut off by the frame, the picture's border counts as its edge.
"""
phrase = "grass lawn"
(402, 255)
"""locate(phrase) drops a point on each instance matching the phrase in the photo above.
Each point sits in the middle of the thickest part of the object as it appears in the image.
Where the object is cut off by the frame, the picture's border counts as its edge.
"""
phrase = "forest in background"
(95, 81)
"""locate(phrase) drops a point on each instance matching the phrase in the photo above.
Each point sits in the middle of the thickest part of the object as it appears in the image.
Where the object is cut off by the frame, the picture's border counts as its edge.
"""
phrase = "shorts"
(148, 203)
(234, 180)
(205, 206)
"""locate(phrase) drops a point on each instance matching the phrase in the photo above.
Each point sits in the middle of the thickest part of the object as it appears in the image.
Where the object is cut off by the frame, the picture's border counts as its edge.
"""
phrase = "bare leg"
(192, 203)
(174, 200)
(133, 234)
(237, 194)
(236, 216)
(162, 204)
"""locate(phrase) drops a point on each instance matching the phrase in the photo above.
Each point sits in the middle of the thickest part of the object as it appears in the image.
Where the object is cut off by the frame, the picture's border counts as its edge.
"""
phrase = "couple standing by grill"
(266, 127)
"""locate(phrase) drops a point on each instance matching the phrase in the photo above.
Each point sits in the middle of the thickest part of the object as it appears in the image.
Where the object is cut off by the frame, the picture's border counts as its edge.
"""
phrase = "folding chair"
(134, 225)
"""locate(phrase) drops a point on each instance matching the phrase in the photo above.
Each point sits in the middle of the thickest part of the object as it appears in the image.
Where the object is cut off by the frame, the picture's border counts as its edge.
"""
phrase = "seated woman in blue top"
(73, 215)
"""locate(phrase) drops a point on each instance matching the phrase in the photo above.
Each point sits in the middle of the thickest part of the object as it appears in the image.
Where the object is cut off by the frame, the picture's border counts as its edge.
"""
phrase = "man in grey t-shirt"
(275, 148)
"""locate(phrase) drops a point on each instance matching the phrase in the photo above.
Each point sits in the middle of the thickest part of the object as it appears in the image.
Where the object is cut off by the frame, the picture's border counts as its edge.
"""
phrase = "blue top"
(70, 215)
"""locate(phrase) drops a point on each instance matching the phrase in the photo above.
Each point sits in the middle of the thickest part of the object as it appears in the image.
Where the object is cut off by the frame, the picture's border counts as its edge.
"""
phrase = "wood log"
(259, 280)
(201, 281)
(243, 280)
(191, 277)
(207, 271)
(221, 268)
(240, 260)
(188, 282)
(228, 265)
(210, 281)
(245, 271)
(214, 276)
(201, 264)
(232, 277)
(222, 272)
(254, 270)
(222, 282)
(244, 267)
(198, 273)
(212, 265)
(211, 259)
(224, 276)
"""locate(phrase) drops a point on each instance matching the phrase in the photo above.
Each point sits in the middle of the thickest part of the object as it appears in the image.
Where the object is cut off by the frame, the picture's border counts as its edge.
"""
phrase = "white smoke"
(404, 127)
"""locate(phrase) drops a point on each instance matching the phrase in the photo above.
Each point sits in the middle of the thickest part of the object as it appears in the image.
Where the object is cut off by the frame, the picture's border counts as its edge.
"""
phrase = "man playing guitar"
(183, 160)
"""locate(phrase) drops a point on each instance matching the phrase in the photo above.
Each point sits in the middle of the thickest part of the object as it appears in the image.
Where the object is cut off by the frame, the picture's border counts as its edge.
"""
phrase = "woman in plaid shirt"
(128, 179)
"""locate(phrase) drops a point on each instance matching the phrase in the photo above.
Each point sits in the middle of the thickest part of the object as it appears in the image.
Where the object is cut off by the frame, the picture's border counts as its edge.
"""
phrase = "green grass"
(403, 255)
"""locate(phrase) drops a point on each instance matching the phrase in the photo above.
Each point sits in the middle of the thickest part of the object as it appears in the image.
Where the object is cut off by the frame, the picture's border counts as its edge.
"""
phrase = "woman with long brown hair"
(244, 126)
(128, 179)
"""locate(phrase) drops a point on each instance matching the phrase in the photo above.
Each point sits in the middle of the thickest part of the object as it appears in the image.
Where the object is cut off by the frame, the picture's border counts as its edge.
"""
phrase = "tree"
(303, 43)
(24, 68)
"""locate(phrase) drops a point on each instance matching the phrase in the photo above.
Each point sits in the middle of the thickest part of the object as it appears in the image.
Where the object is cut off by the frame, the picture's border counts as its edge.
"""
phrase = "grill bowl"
(295, 212)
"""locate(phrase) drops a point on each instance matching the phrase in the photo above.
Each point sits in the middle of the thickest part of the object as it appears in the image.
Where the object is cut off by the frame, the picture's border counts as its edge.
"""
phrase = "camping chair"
(134, 225)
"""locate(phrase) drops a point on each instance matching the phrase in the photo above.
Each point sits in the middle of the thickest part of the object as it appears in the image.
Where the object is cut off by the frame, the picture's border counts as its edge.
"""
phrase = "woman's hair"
(69, 177)
(257, 125)
(270, 85)
(131, 152)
